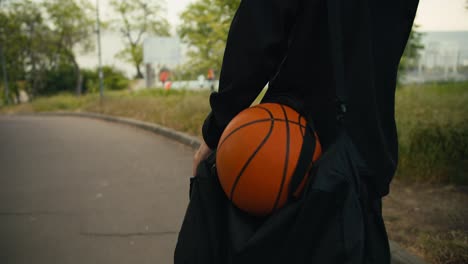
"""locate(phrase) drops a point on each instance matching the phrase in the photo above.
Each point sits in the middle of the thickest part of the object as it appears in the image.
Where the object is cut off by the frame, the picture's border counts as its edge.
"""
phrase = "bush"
(63, 79)
(90, 81)
(114, 79)
(59, 79)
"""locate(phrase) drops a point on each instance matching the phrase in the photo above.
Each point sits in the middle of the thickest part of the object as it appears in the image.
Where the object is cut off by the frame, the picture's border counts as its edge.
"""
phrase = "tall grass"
(181, 110)
(432, 122)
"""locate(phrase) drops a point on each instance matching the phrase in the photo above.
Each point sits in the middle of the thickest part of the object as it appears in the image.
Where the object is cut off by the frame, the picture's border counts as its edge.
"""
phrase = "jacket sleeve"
(256, 44)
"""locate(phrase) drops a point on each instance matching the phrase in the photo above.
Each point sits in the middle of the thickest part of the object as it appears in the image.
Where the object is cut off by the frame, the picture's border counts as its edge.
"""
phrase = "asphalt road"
(77, 190)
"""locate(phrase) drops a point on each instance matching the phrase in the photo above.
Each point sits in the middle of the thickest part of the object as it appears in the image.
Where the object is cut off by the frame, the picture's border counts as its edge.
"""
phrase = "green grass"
(181, 110)
(432, 122)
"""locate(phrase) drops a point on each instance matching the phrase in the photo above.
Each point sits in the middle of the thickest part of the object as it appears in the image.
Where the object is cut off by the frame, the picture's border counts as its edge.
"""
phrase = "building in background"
(444, 58)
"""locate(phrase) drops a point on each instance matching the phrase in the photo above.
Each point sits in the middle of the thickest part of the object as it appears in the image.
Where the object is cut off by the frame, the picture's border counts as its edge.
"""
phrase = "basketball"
(257, 155)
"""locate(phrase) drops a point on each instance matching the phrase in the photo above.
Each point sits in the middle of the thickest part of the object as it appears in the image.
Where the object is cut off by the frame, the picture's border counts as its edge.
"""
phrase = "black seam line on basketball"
(286, 159)
(253, 155)
(290, 121)
(240, 127)
(264, 108)
(255, 122)
(279, 119)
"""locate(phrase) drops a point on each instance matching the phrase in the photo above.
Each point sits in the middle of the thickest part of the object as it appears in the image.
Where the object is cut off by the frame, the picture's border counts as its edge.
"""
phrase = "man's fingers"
(202, 153)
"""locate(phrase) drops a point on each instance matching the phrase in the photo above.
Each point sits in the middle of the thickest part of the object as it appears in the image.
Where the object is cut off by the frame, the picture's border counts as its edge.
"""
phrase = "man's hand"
(202, 153)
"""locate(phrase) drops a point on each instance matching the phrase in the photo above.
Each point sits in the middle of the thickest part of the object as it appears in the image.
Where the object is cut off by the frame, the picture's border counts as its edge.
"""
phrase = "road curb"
(178, 136)
(399, 255)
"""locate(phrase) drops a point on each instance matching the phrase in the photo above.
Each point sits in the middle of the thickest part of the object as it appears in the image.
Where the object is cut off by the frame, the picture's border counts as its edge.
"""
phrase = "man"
(322, 54)
(211, 78)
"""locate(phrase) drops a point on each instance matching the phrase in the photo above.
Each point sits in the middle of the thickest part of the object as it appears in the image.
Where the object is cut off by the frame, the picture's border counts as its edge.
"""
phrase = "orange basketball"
(257, 156)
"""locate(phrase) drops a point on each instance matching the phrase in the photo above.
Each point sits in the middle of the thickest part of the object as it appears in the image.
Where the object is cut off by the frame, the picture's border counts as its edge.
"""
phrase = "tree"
(4, 30)
(205, 26)
(138, 19)
(22, 38)
(35, 52)
(40, 39)
(73, 26)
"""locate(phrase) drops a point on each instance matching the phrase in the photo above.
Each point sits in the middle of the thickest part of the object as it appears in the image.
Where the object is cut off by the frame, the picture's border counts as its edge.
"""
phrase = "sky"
(433, 15)
(442, 15)
(173, 7)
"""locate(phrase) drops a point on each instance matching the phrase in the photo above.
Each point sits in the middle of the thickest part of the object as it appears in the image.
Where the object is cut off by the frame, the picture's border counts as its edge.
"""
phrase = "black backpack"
(329, 223)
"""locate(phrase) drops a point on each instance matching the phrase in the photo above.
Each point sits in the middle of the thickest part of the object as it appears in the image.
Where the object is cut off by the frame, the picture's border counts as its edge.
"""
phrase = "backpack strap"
(336, 42)
(305, 160)
(308, 140)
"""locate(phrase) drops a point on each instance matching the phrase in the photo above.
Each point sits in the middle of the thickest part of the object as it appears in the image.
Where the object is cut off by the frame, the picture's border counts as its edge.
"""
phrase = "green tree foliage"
(40, 39)
(133, 54)
(138, 19)
(26, 44)
(8, 26)
(205, 26)
(409, 60)
(73, 28)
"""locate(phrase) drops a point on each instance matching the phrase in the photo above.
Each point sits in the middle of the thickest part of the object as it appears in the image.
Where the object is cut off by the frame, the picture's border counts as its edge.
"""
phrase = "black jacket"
(286, 43)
